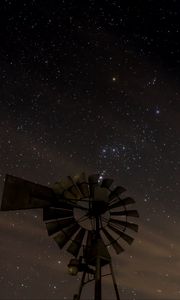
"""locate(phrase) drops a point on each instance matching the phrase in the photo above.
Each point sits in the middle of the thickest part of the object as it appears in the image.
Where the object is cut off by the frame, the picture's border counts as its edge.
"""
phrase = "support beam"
(97, 295)
(77, 296)
(114, 282)
(98, 280)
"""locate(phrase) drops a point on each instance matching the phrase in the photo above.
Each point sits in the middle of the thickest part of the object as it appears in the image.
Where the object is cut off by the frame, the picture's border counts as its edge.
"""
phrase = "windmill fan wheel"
(81, 202)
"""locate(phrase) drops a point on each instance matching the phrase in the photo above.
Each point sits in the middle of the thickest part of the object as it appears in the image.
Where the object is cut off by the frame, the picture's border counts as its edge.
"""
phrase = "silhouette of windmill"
(86, 214)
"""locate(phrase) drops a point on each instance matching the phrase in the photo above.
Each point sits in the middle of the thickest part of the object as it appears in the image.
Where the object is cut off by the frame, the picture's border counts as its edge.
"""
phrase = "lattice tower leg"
(77, 296)
(114, 282)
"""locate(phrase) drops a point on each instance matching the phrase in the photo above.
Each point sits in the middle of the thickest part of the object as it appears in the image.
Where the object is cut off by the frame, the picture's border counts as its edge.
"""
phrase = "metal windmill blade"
(121, 234)
(56, 213)
(75, 189)
(75, 245)
(124, 224)
(65, 234)
(82, 183)
(131, 213)
(116, 193)
(122, 202)
(117, 247)
(67, 189)
(55, 226)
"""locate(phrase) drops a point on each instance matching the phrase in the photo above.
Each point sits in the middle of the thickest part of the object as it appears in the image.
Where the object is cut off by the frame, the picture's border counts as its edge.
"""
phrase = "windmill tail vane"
(86, 215)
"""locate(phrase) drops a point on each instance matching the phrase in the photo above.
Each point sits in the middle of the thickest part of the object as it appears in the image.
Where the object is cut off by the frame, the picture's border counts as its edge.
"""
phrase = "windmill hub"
(87, 218)
(97, 208)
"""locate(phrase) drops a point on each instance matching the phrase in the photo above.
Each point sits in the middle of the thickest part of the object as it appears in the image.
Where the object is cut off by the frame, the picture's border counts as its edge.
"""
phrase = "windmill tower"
(86, 215)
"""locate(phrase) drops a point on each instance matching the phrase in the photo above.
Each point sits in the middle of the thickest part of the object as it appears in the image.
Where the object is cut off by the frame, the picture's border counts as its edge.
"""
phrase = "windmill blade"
(124, 224)
(74, 188)
(122, 202)
(113, 242)
(116, 192)
(75, 245)
(55, 226)
(63, 188)
(22, 194)
(68, 204)
(54, 213)
(130, 213)
(123, 235)
(82, 184)
(93, 182)
(65, 234)
(58, 188)
(107, 182)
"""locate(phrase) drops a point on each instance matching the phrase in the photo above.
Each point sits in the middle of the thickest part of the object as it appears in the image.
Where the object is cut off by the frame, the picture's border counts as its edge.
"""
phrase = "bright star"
(157, 111)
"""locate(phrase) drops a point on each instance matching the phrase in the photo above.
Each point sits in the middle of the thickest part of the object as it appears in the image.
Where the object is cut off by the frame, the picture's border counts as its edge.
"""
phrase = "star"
(157, 111)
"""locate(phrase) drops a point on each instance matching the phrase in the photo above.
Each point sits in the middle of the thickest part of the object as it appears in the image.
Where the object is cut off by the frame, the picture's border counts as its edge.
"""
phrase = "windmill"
(85, 215)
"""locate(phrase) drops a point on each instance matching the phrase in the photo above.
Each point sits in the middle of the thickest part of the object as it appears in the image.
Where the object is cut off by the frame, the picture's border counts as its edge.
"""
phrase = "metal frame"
(98, 275)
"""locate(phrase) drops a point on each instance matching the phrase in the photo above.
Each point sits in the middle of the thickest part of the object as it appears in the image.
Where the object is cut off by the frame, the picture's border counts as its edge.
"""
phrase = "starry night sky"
(91, 86)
